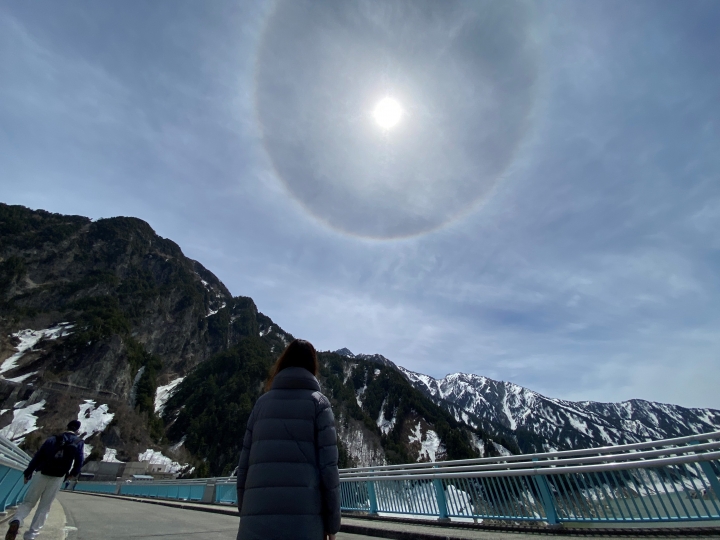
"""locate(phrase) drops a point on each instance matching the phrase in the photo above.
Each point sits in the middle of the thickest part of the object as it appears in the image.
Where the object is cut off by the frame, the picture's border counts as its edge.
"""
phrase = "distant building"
(102, 471)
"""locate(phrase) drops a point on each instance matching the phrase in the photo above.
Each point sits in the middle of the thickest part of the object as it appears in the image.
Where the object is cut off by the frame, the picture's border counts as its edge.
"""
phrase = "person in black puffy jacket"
(287, 479)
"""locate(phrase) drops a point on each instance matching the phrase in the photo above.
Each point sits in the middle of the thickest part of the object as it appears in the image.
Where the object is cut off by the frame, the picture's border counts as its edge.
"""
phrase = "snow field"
(430, 446)
(93, 419)
(111, 456)
(163, 393)
(385, 425)
(155, 457)
(28, 339)
(24, 421)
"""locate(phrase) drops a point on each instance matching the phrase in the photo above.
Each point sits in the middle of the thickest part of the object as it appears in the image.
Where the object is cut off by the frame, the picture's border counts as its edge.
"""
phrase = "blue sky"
(546, 211)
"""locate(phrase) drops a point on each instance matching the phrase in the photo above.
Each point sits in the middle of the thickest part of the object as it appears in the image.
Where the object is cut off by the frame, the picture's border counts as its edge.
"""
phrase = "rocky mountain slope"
(540, 424)
(110, 322)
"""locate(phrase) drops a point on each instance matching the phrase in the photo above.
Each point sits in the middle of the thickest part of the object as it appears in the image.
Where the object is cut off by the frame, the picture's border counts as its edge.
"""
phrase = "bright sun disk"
(387, 113)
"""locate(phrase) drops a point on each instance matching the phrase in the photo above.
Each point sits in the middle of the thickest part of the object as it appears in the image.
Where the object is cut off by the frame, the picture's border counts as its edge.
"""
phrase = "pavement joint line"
(379, 532)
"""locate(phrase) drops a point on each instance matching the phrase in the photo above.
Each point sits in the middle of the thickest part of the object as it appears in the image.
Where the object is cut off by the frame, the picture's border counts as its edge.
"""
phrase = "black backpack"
(62, 460)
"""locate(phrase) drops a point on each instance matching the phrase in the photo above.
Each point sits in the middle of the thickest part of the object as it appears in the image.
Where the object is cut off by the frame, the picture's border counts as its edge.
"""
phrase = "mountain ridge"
(562, 424)
(108, 321)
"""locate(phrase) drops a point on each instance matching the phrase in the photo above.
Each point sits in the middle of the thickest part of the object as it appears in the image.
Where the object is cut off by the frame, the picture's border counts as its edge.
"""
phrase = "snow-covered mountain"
(538, 423)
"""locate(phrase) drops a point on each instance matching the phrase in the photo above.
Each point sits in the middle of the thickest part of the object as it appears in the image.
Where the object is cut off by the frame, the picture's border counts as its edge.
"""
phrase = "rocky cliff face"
(108, 322)
(111, 320)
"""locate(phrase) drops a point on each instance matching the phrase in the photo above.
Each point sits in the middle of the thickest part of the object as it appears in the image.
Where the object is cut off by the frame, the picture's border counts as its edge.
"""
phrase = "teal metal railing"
(13, 462)
(658, 481)
(668, 481)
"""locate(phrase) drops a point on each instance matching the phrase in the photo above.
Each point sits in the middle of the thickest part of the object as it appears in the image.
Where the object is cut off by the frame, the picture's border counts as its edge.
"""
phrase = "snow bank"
(163, 393)
(93, 419)
(212, 312)
(383, 423)
(500, 449)
(24, 421)
(111, 456)
(21, 378)
(163, 463)
(430, 446)
(29, 338)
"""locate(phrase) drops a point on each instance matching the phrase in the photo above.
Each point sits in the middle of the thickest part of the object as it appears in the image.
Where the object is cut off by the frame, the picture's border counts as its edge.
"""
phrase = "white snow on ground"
(155, 457)
(377, 372)
(29, 338)
(501, 449)
(359, 394)
(266, 332)
(212, 312)
(93, 419)
(111, 456)
(383, 423)
(508, 413)
(430, 447)
(87, 450)
(163, 393)
(21, 378)
(478, 444)
(175, 447)
(24, 421)
(579, 425)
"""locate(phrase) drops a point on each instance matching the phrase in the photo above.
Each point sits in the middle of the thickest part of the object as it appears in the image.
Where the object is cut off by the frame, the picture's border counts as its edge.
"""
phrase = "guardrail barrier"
(656, 481)
(13, 462)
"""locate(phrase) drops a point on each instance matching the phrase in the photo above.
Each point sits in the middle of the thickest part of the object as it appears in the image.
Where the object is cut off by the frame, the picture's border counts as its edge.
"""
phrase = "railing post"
(546, 497)
(373, 498)
(710, 474)
(209, 493)
(441, 501)
(440, 498)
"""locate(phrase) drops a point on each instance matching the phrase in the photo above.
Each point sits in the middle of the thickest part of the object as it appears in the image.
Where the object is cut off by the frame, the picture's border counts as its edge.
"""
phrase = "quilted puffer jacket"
(287, 480)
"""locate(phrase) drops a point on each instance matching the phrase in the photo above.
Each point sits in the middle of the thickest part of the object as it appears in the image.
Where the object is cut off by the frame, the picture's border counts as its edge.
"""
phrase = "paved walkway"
(91, 517)
(105, 518)
(54, 528)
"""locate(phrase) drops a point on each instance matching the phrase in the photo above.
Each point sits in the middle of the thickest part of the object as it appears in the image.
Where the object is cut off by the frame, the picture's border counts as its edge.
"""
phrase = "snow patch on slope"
(430, 446)
(500, 449)
(385, 425)
(159, 462)
(111, 456)
(93, 419)
(24, 421)
(29, 338)
(163, 393)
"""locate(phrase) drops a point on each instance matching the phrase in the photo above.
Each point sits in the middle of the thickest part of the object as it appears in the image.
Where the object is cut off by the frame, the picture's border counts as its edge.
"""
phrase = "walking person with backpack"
(60, 457)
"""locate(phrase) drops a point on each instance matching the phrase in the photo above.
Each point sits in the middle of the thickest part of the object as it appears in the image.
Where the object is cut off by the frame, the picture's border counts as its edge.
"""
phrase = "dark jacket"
(287, 480)
(45, 461)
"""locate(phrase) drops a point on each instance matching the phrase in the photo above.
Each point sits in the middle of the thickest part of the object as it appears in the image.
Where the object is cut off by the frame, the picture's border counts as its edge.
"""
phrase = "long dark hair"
(299, 353)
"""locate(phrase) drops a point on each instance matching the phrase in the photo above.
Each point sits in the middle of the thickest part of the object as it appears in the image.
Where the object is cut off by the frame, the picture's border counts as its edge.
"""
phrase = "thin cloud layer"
(463, 75)
(246, 134)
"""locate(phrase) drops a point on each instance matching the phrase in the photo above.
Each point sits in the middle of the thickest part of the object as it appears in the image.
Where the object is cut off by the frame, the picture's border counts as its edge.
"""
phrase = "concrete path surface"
(91, 517)
(54, 528)
(104, 518)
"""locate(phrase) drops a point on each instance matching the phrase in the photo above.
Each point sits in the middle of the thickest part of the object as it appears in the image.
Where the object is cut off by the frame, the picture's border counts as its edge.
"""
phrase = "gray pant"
(42, 488)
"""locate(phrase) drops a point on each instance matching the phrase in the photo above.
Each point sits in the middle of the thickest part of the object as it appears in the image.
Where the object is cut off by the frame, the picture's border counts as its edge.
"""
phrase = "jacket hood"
(70, 437)
(293, 378)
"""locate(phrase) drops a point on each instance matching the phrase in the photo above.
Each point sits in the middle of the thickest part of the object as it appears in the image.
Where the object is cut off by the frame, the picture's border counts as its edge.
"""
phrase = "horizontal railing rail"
(665, 481)
(618, 449)
(636, 456)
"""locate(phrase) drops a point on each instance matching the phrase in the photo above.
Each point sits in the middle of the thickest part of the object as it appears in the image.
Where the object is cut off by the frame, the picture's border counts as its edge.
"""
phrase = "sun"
(387, 113)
